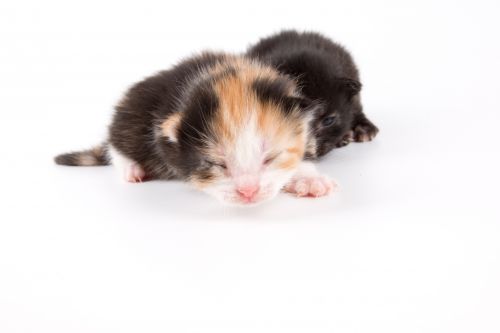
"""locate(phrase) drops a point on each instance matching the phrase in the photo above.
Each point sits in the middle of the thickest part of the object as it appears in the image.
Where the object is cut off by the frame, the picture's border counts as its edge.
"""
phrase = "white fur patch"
(247, 150)
(123, 165)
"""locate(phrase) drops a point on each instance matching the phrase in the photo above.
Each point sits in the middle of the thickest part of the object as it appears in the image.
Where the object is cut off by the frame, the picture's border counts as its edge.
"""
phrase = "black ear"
(350, 86)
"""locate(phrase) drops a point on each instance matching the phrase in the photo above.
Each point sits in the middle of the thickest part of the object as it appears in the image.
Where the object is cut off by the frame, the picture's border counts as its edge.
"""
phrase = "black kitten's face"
(334, 120)
(332, 124)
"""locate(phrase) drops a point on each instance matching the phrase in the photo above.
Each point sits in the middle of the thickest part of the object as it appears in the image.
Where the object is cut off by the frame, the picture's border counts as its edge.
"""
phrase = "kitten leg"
(132, 172)
(307, 182)
(363, 130)
(348, 138)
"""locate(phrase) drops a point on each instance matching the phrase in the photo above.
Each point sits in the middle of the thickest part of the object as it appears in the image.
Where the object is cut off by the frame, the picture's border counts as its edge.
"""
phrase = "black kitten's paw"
(348, 138)
(364, 132)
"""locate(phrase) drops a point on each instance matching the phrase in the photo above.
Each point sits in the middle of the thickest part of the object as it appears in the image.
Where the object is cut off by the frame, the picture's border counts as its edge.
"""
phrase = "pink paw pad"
(134, 173)
(316, 186)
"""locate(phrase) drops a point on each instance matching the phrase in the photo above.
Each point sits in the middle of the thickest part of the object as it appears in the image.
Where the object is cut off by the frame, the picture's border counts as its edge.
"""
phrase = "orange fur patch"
(233, 80)
(239, 104)
(290, 162)
(170, 125)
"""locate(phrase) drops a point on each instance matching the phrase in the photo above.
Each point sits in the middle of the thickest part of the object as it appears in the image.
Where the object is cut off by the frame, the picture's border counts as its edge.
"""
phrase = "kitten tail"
(91, 157)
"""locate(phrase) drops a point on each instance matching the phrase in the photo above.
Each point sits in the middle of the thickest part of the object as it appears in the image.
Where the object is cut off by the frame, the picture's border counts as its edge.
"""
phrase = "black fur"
(271, 90)
(326, 73)
(133, 130)
(277, 91)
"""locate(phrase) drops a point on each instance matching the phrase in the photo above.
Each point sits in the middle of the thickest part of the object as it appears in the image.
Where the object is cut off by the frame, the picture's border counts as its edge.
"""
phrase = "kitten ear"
(170, 126)
(350, 86)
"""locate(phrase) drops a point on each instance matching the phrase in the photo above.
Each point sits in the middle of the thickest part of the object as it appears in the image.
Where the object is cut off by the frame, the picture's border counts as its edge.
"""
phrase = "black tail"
(91, 157)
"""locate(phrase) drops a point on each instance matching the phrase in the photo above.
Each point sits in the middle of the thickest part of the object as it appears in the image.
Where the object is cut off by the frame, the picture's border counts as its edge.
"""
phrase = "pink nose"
(248, 191)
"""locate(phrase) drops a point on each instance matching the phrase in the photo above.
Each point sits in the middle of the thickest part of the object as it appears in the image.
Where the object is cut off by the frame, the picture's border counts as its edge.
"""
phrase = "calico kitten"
(230, 126)
(326, 72)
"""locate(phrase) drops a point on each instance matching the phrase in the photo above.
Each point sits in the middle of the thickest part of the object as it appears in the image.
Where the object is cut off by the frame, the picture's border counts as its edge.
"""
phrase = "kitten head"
(242, 133)
(334, 119)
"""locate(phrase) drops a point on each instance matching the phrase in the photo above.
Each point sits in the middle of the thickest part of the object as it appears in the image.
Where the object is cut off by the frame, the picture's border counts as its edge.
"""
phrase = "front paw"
(311, 186)
(364, 132)
(346, 139)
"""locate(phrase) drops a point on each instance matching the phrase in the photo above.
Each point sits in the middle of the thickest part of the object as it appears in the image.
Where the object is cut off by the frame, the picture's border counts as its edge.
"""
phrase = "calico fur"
(229, 125)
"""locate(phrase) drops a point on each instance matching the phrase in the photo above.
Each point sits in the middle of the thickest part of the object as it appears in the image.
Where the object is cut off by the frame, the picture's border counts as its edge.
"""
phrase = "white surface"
(410, 244)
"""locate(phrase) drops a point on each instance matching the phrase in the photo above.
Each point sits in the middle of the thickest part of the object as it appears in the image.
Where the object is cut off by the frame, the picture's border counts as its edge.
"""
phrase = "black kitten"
(327, 73)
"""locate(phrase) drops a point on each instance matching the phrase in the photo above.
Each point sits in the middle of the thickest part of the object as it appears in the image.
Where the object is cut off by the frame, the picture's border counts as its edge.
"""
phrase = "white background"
(410, 244)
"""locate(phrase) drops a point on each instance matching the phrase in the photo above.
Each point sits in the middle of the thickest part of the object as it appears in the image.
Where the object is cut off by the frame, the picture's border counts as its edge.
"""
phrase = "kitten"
(326, 72)
(228, 125)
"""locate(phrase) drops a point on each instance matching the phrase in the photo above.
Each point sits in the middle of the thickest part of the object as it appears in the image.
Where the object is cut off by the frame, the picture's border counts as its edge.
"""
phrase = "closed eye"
(270, 159)
(221, 165)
